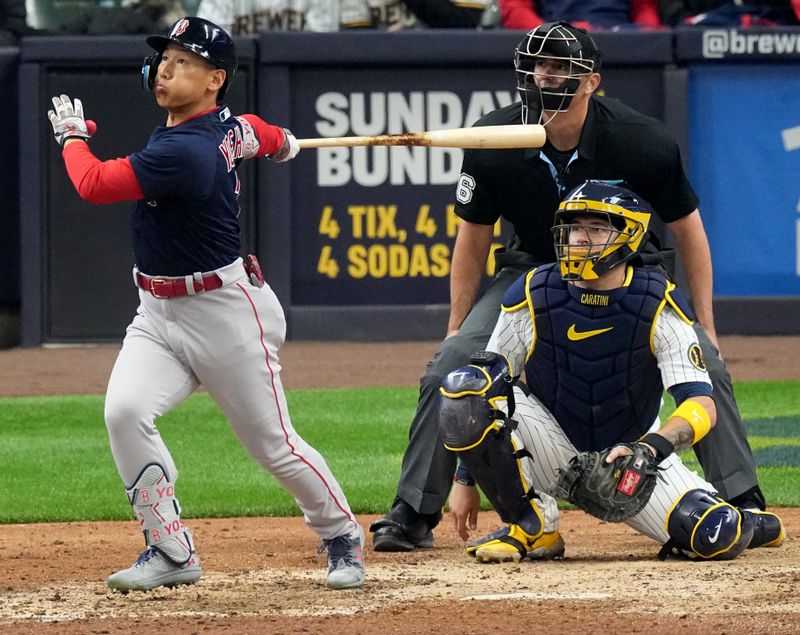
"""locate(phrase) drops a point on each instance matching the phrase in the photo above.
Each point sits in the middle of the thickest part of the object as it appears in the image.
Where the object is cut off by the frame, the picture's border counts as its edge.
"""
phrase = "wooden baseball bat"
(515, 136)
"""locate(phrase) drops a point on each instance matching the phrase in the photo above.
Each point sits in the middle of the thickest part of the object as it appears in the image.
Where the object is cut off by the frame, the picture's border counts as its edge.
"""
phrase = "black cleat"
(404, 529)
(752, 500)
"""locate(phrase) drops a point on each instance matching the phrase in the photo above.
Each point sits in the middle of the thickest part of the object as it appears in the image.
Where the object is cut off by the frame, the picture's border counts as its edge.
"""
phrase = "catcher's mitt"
(610, 491)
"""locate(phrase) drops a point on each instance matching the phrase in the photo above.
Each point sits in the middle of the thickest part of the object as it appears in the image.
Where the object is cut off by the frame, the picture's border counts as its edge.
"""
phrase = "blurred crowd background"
(251, 17)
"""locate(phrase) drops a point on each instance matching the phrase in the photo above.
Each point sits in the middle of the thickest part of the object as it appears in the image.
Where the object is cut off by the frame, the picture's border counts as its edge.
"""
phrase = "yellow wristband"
(696, 415)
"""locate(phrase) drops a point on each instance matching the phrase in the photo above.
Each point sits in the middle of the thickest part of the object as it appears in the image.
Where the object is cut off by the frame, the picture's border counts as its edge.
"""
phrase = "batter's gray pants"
(428, 468)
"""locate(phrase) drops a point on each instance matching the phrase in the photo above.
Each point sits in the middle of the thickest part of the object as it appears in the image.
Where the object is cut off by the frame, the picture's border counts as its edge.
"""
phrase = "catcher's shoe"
(404, 529)
(512, 543)
(153, 569)
(345, 559)
(768, 530)
(751, 500)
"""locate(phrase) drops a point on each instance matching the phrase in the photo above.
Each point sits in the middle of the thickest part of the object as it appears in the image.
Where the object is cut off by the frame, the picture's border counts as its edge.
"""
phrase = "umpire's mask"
(564, 54)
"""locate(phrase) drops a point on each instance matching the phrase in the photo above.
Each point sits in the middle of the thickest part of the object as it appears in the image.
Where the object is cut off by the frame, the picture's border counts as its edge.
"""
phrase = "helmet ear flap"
(150, 70)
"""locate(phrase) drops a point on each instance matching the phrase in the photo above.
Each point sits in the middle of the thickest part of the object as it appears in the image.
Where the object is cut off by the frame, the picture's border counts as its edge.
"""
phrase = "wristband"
(696, 416)
(661, 444)
(462, 476)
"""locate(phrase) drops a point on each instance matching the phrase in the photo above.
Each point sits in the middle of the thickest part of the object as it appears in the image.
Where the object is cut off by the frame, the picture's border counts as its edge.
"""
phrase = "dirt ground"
(262, 575)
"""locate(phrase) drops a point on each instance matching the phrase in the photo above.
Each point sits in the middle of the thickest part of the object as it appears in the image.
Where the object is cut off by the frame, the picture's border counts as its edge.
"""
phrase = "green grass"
(55, 463)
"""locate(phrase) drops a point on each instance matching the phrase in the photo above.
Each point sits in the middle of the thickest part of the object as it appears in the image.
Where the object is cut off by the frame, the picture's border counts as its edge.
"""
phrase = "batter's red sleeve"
(100, 182)
(270, 138)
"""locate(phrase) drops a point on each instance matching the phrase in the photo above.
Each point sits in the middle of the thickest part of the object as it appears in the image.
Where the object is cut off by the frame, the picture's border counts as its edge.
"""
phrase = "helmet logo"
(180, 27)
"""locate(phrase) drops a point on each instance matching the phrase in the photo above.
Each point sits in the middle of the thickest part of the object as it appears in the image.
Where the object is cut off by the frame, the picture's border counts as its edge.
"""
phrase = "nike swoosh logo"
(713, 539)
(576, 336)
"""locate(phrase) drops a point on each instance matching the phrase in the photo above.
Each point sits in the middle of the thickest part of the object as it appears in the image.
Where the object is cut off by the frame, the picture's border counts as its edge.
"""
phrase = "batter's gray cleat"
(345, 559)
(153, 569)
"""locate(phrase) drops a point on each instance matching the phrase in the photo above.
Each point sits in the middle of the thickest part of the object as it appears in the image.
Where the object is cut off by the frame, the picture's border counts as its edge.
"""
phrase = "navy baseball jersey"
(188, 220)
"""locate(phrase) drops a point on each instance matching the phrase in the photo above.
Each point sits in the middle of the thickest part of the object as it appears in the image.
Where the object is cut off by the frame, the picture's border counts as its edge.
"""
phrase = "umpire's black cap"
(561, 40)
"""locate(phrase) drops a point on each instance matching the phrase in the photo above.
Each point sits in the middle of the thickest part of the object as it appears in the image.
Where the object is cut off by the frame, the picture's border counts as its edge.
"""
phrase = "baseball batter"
(204, 317)
(598, 341)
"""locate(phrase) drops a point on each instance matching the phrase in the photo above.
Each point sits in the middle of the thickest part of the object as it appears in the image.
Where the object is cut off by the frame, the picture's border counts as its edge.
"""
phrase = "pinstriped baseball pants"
(551, 449)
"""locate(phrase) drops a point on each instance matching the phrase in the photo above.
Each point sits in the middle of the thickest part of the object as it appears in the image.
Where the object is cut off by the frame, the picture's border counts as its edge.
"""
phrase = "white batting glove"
(289, 150)
(68, 120)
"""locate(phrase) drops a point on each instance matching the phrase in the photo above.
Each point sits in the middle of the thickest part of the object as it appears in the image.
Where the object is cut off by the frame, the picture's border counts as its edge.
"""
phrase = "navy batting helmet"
(199, 36)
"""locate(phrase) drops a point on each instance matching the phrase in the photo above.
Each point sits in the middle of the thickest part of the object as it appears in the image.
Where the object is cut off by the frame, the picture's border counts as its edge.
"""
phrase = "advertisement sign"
(745, 149)
(376, 225)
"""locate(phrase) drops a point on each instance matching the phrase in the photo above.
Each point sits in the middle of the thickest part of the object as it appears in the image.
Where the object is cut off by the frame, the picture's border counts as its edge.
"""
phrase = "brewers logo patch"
(696, 357)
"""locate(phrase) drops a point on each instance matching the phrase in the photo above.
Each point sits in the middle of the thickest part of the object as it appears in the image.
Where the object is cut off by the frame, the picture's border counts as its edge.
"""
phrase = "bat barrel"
(489, 137)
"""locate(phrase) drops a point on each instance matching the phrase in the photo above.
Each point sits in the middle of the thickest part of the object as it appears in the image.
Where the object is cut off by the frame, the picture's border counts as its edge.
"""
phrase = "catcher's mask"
(626, 217)
(559, 43)
(200, 37)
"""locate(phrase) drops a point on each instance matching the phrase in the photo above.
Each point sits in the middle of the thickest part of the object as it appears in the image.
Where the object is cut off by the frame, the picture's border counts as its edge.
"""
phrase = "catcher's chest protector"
(592, 365)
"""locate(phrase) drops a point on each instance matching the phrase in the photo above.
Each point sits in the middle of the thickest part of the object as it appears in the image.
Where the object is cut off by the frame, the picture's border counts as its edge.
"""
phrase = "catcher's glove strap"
(659, 443)
(522, 453)
(670, 550)
(485, 358)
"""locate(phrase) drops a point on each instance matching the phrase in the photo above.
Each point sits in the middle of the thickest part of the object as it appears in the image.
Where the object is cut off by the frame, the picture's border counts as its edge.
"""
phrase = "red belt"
(176, 287)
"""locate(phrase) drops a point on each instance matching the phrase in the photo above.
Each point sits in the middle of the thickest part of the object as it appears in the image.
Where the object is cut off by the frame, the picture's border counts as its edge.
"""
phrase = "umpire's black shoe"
(768, 530)
(404, 529)
(753, 499)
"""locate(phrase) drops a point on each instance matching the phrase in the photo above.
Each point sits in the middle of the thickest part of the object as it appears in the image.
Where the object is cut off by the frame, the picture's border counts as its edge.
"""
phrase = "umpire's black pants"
(428, 468)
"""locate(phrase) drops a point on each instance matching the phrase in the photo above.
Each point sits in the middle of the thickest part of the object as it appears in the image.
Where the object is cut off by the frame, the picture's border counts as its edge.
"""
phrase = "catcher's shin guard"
(472, 423)
(704, 526)
(153, 500)
(768, 529)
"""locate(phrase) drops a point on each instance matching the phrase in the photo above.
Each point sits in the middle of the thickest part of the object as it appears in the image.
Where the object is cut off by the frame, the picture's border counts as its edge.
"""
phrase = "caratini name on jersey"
(594, 299)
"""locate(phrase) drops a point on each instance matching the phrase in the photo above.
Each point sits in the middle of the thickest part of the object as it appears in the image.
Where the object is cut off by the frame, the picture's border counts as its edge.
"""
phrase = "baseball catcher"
(598, 338)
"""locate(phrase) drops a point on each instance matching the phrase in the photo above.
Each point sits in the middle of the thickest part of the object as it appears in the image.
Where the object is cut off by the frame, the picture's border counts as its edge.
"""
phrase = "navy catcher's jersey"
(188, 220)
(592, 364)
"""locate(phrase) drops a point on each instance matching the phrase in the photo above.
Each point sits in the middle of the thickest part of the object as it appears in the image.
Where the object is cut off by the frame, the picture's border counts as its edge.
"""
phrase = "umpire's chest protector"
(592, 364)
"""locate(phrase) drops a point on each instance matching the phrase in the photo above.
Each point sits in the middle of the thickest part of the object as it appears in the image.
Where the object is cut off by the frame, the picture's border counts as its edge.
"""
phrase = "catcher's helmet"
(199, 36)
(562, 42)
(627, 214)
